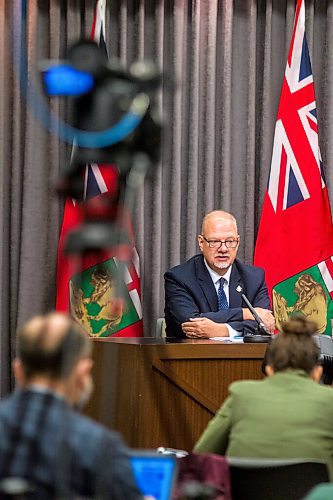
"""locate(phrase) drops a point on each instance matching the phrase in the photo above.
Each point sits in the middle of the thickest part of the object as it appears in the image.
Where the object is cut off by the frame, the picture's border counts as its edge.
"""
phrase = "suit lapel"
(206, 283)
(235, 299)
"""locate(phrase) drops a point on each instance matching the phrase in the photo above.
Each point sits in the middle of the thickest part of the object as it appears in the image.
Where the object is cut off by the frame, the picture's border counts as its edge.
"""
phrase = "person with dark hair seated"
(44, 442)
(287, 415)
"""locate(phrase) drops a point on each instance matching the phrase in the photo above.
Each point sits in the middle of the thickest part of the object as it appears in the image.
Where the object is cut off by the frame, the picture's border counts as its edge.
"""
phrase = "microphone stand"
(261, 334)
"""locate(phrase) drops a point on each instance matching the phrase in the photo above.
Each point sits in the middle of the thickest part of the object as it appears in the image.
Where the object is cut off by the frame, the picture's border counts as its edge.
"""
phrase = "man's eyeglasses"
(216, 244)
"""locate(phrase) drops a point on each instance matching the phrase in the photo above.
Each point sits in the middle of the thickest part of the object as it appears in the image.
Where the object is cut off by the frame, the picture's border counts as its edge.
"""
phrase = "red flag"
(295, 238)
(89, 293)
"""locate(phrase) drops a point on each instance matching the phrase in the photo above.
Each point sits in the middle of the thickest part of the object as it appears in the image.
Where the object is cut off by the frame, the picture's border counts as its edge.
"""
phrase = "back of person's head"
(51, 346)
(294, 347)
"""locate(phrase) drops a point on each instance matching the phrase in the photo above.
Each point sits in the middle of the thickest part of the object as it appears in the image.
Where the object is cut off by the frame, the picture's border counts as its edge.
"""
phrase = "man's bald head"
(218, 215)
(51, 346)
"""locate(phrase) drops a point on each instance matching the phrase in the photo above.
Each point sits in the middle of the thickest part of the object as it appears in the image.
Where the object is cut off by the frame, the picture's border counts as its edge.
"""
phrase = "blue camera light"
(64, 80)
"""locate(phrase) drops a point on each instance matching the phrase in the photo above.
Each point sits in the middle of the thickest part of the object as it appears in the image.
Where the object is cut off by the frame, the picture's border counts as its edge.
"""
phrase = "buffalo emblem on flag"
(93, 302)
(308, 293)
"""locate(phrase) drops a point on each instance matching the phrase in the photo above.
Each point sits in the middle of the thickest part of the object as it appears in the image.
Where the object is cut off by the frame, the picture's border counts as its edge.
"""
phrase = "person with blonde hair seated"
(287, 415)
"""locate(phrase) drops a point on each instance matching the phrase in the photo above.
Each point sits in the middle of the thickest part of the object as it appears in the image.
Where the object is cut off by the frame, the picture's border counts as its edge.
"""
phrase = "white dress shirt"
(216, 280)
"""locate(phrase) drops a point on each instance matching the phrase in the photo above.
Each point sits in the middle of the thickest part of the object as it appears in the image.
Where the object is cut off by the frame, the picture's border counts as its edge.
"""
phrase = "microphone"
(261, 333)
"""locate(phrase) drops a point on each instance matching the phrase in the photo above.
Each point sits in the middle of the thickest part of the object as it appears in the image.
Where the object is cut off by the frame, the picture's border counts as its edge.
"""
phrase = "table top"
(157, 341)
(183, 347)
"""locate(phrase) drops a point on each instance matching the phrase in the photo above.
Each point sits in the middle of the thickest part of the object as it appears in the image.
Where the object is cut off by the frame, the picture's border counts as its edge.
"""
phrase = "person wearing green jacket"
(287, 415)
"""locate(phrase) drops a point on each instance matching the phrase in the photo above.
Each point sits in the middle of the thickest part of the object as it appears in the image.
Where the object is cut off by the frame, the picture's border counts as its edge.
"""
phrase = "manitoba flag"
(88, 293)
(295, 238)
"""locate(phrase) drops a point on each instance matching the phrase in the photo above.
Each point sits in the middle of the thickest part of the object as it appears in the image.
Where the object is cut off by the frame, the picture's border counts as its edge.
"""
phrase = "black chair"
(270, 479)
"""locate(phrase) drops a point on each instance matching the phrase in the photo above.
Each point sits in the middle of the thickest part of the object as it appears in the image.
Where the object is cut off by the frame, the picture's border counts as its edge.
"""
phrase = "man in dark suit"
(201, 297)
(57, 451)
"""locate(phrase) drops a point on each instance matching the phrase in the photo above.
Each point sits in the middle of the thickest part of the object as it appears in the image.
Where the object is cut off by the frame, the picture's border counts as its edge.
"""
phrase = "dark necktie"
(221, 297)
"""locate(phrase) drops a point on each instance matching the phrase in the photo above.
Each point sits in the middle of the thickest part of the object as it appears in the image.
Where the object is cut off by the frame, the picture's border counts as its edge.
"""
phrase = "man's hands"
(204, 328)
(264, 314)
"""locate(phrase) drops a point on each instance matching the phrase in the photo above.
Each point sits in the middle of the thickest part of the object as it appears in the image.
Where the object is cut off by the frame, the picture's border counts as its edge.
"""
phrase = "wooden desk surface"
(189, 347)
(164, 341)
(163, 392)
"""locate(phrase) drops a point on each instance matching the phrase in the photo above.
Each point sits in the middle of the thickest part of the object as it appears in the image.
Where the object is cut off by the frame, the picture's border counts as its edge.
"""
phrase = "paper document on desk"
(228, 340)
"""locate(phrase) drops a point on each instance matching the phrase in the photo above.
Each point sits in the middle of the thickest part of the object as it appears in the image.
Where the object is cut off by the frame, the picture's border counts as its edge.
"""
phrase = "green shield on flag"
(304, 293)
(93, 302)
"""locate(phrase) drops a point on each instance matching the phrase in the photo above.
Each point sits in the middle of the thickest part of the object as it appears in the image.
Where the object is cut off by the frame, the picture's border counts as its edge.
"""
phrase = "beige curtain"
(227, 60)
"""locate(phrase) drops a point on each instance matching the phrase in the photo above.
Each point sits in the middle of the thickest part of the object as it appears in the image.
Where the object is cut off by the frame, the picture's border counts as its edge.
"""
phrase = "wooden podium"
(163, 392)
